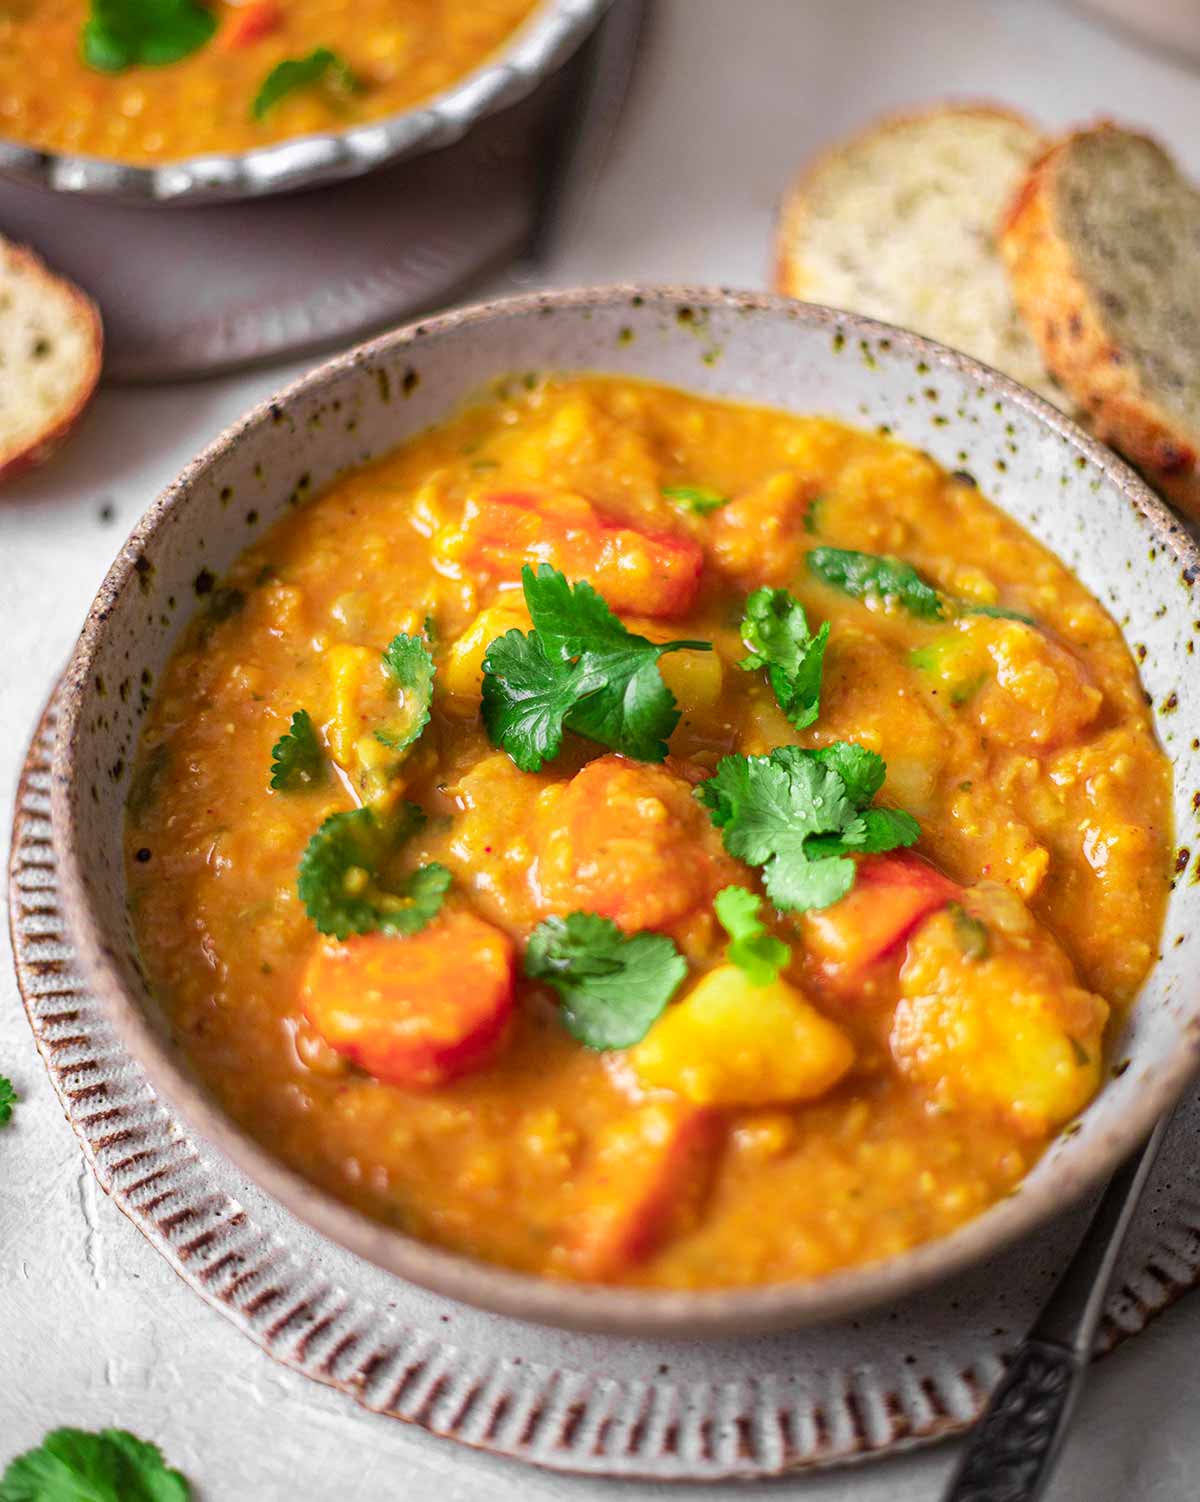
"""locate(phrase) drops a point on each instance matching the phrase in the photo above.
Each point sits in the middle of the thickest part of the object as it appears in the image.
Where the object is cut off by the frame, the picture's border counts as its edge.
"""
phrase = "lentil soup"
(638, 838)
(192, 78)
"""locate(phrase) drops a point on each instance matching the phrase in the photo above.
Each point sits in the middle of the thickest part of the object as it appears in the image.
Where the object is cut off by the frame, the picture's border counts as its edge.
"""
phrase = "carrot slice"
(652, 574)
(645, 1182)
(891, 895)
(415, 1010)
(251, 24)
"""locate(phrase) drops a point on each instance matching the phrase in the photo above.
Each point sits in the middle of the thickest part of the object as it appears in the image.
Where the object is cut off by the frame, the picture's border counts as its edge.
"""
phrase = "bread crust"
(788, 275)
(1061, 313)
(16, 461)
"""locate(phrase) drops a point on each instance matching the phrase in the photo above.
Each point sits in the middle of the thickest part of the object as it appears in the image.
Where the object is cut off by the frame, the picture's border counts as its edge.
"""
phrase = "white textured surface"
(94, 1328)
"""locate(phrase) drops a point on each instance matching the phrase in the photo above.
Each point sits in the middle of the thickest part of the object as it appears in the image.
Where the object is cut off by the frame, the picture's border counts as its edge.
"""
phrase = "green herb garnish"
(324, 66)
(344, 882)
(752, 949)
(612, 987)
(801, 814)
(408, 660)
(812, 516)
(996, 612)
(697, 499)
(578, 669)
(863, 575)
(71, 1465)
(971, 932)
(775, 629)
(121, 33)
(297, 759)
(8, 1098)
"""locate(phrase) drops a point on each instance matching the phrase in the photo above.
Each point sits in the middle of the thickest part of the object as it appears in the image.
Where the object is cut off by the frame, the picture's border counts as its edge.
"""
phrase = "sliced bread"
(1102, 245)
(901, 223)
(50, 352)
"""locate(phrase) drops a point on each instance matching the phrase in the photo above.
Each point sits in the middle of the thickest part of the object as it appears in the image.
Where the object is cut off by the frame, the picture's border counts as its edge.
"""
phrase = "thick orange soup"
(637, 838)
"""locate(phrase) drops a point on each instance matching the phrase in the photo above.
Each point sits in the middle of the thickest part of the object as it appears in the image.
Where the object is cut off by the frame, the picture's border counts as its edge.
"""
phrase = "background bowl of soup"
(1070, 493)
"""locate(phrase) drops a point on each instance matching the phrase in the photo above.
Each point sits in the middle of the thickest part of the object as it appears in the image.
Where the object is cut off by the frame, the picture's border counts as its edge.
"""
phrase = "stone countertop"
(95, 1329)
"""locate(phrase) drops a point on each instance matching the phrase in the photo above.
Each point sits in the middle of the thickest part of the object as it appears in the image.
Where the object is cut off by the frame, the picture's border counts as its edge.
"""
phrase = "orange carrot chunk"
(414, 1010)
(644, 1183)
(890, 896)
(652, 574)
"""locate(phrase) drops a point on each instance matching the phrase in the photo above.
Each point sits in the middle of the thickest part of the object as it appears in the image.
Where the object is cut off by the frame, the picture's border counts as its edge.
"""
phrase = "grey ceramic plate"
(1068, 491)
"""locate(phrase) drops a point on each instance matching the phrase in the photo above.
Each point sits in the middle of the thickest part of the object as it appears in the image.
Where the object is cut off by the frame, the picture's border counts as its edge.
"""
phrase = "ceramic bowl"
(543, 41)
(1070, 492)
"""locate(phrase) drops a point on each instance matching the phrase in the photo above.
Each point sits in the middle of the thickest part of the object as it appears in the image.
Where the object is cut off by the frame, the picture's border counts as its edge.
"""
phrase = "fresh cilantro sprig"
(801, 815)
(751, 948)
(612, 987)
(862, 575)
(775, 629)
(297, 759)
(8, 1098)
(73, 1465)
(121, 33)
(344, 882)
(408, 660)
(697, 499)
(578, 669)
(323, 66)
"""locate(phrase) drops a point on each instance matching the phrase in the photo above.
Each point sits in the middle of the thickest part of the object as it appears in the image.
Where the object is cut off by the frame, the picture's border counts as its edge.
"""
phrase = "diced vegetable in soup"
(637, 838)
(144, 82)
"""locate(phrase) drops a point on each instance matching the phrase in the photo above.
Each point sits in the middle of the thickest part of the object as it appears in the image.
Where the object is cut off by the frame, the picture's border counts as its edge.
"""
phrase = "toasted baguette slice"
(50, 351)
(901, 223)
(1102, 245)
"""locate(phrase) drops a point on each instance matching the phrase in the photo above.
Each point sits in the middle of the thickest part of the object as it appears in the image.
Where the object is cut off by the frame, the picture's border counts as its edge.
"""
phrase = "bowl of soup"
(648, 809)
(212, 99)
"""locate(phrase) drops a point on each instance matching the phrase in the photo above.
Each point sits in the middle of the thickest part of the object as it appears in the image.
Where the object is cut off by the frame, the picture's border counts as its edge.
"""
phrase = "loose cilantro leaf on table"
(775, 629)
(344, 883)
(612, 987)
(752, 949)
(800, 815)
(8, 1098)
(121, 33)
(322, 66)
(697, 499)
(862, 575)
(408, 660)
(578, 669)
(71, 1465)
(297, 760)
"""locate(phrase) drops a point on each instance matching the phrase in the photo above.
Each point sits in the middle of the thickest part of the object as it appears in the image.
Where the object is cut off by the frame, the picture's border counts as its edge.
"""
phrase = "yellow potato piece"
(732, 1043)
(695, 678)
(1010, 1032)
(461, 674)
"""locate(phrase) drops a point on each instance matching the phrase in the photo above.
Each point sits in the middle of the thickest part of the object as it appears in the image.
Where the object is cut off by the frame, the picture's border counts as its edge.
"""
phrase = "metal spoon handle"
(1011, 1451)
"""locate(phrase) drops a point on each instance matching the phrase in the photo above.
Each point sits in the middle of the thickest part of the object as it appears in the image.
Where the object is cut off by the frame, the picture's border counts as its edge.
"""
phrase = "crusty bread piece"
(901, 222)
(1102, 245)
(50, 352)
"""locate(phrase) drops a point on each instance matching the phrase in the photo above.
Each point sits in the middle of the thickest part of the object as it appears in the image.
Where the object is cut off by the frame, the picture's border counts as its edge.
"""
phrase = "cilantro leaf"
(320, 66)
(344, 881)
(612, 987)
(408, 660)
(800, 815)
(775, 629)
(72, 1465)
(120, 33)
(579, 669)
(996, 612)
(697, 499)
(752, 949)
(297, 760)
(863, 575)
(8, 1097)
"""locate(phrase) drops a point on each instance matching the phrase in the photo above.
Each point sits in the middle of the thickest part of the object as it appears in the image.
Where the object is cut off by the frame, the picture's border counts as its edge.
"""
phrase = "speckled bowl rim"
(612, 1310)
(543, 41)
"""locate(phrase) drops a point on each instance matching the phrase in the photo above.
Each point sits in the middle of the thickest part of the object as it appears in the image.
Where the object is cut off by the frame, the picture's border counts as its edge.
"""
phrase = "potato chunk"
(732, 1043)
(759, 536)
(461, 676)
(991, 1015)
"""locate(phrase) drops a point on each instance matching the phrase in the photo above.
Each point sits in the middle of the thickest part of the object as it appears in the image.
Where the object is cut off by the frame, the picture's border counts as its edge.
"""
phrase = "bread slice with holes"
(901, 223)
(1102, 246)
(51, 347)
